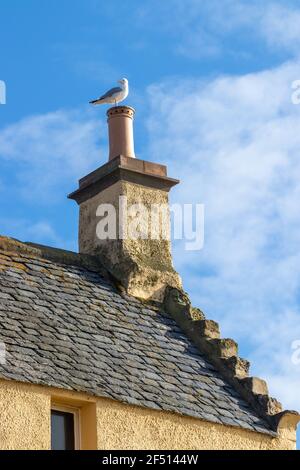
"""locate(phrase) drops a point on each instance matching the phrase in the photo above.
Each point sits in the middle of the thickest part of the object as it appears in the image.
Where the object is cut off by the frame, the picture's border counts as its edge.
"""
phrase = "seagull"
(115, 95)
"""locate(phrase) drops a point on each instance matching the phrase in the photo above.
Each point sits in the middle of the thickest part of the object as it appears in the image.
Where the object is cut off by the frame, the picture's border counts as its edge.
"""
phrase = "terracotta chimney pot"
(120, 130)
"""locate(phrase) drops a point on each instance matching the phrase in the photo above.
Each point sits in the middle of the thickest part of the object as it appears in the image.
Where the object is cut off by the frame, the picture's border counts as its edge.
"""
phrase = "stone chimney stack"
(127, 198)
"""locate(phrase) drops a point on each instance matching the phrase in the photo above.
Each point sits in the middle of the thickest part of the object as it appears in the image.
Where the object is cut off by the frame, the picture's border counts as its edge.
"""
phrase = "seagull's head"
(123, 82)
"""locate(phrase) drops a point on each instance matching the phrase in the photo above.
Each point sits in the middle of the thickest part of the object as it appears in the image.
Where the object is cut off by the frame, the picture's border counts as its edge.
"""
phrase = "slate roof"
(67, 326)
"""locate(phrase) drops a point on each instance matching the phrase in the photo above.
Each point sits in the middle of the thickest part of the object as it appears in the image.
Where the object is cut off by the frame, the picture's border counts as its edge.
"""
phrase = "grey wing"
(110, 93)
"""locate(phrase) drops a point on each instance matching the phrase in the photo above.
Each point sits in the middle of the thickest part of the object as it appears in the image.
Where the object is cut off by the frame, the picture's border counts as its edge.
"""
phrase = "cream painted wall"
(106, 424)
(24, 417)
(128, 427)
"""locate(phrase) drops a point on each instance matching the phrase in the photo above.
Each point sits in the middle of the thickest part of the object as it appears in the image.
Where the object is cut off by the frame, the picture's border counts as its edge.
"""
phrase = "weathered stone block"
(223, 347)
(238, 366)
(208, 329)
(256, 385)
(270, 405)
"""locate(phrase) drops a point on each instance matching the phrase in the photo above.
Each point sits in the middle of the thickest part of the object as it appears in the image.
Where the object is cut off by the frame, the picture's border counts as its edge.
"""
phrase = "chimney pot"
(120, 131)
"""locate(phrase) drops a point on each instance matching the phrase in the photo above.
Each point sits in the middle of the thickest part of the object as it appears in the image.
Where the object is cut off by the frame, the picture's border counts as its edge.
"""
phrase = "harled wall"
(107, 424)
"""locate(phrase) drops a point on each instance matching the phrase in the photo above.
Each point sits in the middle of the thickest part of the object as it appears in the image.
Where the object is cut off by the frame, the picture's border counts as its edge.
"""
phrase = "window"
(64, 428)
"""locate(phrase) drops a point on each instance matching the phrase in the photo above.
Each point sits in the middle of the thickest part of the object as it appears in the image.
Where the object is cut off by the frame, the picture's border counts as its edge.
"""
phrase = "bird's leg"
(115, 103)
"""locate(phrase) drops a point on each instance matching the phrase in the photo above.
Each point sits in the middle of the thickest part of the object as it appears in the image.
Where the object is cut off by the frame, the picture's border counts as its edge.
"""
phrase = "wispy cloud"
(49, 152)
(35, 231)
(235, 144)
(280, 26)
(210, 27)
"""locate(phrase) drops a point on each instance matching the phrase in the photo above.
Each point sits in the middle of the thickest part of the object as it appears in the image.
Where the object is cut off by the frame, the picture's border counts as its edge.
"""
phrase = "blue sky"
(211, 84)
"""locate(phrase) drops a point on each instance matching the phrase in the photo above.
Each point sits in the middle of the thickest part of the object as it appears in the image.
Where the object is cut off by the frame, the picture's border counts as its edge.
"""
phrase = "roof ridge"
(57, 255)
(223, 354)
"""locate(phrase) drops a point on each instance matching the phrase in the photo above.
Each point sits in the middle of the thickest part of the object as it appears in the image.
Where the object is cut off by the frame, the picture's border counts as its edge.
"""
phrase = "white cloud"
(210, 27)
(280, 27)
(50, 152)
(235, 144)
(35, 231)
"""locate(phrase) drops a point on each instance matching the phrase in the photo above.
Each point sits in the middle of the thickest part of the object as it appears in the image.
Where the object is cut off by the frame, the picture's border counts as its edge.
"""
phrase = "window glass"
(62, 430)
